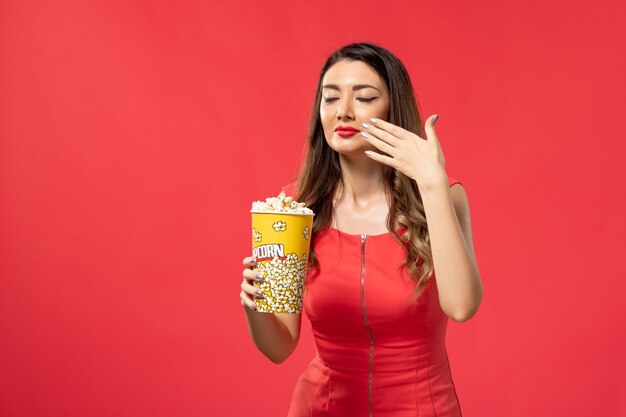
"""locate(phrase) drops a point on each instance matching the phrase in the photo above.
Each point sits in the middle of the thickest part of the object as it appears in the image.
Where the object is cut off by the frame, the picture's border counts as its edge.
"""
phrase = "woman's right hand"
(248, 290)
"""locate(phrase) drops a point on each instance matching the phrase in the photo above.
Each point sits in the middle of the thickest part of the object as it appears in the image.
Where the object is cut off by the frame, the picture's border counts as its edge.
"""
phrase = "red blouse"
(376, 354)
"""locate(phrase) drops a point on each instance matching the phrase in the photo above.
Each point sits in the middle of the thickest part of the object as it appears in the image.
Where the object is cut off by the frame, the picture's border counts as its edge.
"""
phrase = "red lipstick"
(346, 131)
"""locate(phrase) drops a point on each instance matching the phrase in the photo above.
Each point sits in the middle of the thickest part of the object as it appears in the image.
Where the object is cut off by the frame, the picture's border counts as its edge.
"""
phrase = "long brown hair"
(320, 174)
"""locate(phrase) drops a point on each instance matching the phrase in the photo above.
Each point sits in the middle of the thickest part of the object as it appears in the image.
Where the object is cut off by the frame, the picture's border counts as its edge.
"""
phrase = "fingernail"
(435, 118)
(259, 293)
(365, 125)
(373, 120)
(365, 135)
(259, 276)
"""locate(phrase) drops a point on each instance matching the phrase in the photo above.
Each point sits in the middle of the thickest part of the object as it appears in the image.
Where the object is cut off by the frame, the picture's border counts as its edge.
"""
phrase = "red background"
(134, 136)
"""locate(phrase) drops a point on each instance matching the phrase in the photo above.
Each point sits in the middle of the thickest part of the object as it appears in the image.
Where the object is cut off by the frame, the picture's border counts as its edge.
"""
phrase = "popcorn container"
(281, 243)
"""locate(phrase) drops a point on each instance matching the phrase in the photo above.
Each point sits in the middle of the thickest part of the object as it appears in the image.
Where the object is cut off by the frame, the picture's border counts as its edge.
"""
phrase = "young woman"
(387, 217)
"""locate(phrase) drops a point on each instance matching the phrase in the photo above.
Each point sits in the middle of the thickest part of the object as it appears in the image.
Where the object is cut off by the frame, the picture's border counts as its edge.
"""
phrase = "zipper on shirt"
(371, 373)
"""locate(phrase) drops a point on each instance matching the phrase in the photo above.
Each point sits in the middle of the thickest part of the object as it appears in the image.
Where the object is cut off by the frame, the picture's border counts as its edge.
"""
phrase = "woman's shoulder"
(290, 189)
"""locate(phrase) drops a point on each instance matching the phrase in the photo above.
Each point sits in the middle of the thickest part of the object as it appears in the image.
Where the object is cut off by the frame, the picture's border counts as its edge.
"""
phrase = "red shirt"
(376, 355)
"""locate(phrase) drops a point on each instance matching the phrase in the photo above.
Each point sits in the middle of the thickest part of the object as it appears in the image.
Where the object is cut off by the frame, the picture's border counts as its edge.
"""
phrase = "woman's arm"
(274, 334)
(447, 212)
(449, 227)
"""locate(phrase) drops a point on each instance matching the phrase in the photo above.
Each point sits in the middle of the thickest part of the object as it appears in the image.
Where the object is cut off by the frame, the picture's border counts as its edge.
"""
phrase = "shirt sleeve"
(452, 181)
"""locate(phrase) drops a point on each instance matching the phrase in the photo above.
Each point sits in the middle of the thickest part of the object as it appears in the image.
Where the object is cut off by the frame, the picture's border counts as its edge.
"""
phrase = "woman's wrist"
(436, 183)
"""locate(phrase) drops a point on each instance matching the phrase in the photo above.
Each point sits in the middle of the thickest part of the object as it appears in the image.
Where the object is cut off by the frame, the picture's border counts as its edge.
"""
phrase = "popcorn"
(283, 284)
(281, 238)
(281, 204)
(279, 226)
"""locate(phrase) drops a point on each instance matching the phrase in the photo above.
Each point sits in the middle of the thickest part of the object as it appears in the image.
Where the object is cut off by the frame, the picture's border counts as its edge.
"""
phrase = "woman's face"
(352, 93)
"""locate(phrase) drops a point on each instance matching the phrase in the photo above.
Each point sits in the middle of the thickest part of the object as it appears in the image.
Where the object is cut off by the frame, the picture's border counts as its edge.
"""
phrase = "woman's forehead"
(350, 73)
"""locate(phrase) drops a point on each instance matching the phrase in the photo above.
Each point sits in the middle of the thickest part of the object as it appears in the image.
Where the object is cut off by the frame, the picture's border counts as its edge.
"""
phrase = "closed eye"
(363, 99)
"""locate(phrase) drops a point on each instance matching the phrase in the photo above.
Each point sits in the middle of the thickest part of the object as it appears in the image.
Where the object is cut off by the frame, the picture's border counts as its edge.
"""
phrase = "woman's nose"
(344, 109)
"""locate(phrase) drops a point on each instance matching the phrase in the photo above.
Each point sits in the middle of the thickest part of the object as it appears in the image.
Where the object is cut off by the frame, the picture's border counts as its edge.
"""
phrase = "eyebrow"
(354, 88)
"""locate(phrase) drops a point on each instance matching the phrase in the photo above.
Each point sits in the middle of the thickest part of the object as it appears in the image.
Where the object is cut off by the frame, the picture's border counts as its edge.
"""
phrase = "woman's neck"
(362, 181)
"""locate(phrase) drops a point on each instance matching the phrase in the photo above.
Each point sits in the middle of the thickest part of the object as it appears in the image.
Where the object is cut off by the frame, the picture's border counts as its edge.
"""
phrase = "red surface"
(134, 136)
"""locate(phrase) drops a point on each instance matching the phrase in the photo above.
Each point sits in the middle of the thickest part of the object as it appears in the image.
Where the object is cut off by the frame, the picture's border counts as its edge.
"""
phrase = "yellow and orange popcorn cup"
(281, 243)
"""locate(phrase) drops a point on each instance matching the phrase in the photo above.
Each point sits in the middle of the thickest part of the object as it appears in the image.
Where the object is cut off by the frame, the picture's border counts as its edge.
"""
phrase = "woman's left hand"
(417, 158)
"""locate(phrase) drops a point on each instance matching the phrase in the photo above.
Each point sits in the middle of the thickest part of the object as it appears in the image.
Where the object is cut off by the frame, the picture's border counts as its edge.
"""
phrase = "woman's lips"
(347, 133)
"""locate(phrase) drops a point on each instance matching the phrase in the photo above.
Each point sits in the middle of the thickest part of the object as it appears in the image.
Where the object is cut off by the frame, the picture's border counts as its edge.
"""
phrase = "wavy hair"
(320, 172)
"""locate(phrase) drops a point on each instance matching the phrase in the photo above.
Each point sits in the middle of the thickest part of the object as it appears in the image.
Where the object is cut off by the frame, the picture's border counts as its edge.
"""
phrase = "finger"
(246, 301)
(383, 146)
(252, 275)
(394, 130)
(382, 158)
(381, 134)
(251, 290)
(429, 126)
(249, 261)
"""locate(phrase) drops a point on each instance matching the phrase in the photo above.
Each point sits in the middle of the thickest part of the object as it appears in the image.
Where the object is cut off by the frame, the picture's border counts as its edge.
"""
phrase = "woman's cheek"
(325, 117)
(366, 114)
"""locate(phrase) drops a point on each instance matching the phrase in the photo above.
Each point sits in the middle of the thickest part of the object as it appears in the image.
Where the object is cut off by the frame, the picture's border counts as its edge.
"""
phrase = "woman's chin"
(355, 154)
(349, 146)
